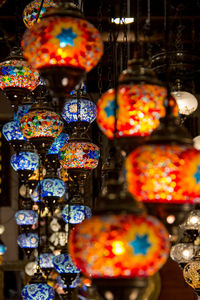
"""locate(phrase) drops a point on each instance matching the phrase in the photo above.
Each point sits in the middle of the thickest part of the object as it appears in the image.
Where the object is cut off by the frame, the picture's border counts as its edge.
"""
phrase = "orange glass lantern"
(63, 47)
(119, 246)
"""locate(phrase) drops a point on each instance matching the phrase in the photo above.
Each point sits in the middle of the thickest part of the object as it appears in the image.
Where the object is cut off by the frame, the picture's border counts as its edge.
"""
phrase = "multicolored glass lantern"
(119, 246)
(3, 248)
(12, 132)
(25, 161)
(191, 274)
(63, 47)
(58, 143)
(29, 240)
(31, 11)
(156, 174)
(82, 110)
(49, 187)
(63, 264)
(26, 217)
(79, 155)
(15, 72)
(37, 291)
(75, 214)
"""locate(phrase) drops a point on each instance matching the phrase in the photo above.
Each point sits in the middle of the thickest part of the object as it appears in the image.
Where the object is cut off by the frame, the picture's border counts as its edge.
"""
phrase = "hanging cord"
(137, 29)
(39, 11)
(147, 32)
(99, 70)
(110, 56)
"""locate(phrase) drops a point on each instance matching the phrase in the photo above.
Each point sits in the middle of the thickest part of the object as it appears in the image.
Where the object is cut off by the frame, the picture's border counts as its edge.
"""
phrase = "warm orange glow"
(118, 247)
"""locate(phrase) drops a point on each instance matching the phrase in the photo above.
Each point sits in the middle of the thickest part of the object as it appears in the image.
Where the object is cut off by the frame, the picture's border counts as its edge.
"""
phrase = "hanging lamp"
(63, 47)
(13, 135)
(28, 242)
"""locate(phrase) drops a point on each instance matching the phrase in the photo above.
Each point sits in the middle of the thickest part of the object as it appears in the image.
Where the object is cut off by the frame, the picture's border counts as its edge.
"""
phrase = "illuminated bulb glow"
(187, 103)
(122, 21)
(118, 248)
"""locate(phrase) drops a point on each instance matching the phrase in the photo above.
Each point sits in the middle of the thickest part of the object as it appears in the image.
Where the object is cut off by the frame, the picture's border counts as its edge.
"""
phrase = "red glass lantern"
(119, 246)
(63, 47)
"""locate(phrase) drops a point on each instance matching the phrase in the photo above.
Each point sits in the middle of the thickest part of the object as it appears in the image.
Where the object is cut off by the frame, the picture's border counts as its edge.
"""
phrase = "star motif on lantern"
(197, 175)
(140, 244)
(66, 37)
(110, 108)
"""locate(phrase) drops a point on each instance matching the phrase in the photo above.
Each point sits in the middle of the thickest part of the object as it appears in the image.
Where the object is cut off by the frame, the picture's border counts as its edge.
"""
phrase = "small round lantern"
(37, 291)
(13, 135)
(191, 274)
(26, 217)
(31, 11)
(63, 46)
(183, 253)
(28, 242)
(119, 246)
(75, 214)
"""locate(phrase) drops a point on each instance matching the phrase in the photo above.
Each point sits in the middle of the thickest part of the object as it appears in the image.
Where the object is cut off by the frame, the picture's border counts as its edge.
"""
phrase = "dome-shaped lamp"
(191, 274)
(182, 253)
(66, 268)
(17, 77)
(75, 214)
(140, 99)
(41, 126)
(79, 111)
(119, 246)
(31, 11)
(63, 47)
(25, 217)
(192, 221)
(37, 289)
(28, 242)
(13, 135)
(25, 162)
(155, 172)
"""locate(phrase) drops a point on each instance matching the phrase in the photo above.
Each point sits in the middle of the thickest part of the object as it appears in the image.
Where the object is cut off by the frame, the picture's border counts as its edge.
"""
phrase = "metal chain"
(99, 70)
(180, 28)
(125, 38)
(110, 50)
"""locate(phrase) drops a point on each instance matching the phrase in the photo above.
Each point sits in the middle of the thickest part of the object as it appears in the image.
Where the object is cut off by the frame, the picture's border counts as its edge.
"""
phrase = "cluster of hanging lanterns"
(120, 245)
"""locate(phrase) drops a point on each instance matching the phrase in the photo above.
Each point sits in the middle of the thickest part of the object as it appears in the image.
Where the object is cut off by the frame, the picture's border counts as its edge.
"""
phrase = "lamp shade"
(26, 217)
(182, 252)
(58, 143)
(49, 187)
(63, 264)
(139, 108)
(46, 260)
(191, 274)
(25, 161)
(60, 40)
(192, 221)
(79, 155)
(12, 132)
(157, 173)
(29, 240)
(119, 246)
(37, 291)
(187, 103)
(30, 13)
(18, 73)
(82, 109)
(41, 123)
(75, 214)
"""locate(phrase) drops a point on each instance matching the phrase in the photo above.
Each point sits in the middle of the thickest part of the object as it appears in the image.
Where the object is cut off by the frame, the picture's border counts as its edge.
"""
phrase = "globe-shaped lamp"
(75, 214)
(37, 291)
(13, 135)
(192, 221)
(3, 248)
(182, 253)
(119, 246)
(28, 242)
(191, 274)
(187, 102)
(63, 46)
(156, 173)
(26, 217)
(31, 11)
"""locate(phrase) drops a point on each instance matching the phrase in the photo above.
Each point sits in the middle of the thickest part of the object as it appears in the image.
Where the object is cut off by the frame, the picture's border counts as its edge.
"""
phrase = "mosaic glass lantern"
(13, 134)
(29, 240)
(119, 246)
(63, 46)
(58, 143)
(25, 161)
(82, 110)
(79, 155)
(191, 274)
(17, 77)
(53, 188)
(3, 248)
(30, 13)
(75, 214)
(156, 174)
(46, 260)
(63, 264)
(26, 217)
(37, 291)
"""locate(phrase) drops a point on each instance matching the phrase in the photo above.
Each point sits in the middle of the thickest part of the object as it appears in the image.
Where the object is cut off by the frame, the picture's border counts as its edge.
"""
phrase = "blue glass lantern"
(83, 110)
(12, 132)
(3, 248)
(29, 240)
(46, 260)
(50, 187)
(25, 161)
(21, 111)
(75, 214)
(40, 291)
(74, 284)
(60, 141)
(63, 264)
(26, 217)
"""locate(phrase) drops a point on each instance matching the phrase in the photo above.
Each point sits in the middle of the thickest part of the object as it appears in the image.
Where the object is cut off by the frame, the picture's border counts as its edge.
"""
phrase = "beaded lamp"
(17, 77)
(30, 13)
(41, 125)
(63, 47)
